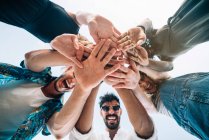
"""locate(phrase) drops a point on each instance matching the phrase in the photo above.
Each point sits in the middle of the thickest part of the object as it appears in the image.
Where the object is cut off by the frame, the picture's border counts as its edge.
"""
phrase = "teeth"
(68, 84)
(111, 118)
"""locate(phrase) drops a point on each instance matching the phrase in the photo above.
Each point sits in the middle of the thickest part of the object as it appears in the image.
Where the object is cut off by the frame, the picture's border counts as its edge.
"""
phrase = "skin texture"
(99, 28)
(134, 36)
(62, 122)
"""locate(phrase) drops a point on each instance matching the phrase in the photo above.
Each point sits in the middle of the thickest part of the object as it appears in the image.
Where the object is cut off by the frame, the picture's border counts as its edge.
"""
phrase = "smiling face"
(147, 84)
(65, 82)
(111, 112)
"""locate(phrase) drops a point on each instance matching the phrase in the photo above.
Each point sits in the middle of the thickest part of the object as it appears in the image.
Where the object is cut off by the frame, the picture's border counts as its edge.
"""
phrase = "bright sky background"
(15, 42)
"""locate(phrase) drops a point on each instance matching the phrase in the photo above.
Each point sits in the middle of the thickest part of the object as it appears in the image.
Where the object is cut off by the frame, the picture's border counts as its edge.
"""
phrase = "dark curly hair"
(108, 97)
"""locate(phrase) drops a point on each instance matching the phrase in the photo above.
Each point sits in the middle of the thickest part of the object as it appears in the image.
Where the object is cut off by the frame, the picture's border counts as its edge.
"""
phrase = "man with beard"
(111, 113)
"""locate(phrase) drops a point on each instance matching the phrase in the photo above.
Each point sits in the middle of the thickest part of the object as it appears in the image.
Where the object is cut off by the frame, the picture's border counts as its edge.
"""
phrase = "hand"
(67, 45)
(134, 36)
(125, 78)
(94, 70)
(102, 28)
(153, 74)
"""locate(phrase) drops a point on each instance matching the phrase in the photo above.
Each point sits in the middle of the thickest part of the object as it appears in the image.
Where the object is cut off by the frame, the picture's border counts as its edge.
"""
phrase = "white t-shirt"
(16, 103)
(120, 135)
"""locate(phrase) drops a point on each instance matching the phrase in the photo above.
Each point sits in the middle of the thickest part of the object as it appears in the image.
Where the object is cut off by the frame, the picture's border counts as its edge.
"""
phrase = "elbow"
(58, 133)
(28, 57)
(146, 130)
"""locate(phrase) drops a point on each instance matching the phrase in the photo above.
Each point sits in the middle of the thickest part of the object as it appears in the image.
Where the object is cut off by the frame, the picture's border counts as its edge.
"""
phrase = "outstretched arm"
(38, 60)
(99, 26)
(63, 122)
(138, 116)
(84, 123)
(160, 66)
(125, 81)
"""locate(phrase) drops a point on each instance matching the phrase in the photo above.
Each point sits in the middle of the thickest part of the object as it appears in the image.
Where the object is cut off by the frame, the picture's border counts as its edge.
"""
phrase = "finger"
(143, 55)
(80, 53)
(76, 62)
(123, 35)
(140, 41)
(124, 44)
(120, 85)
(124, 39)
(114, 62)
(75, 42)
(95, 37)
(114, 44)
(128, 47)
(118, 75)
(116, 33)
(112, 69)
(124, 69)
(116, 80)
(97, 48)
(113, 38)
(133, 66)
(104, 49)
(108, 57)
(118, 53)
(88, 50)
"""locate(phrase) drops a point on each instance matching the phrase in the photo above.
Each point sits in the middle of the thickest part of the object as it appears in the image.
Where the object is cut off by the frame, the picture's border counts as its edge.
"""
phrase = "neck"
(50, 91)
(112, 132)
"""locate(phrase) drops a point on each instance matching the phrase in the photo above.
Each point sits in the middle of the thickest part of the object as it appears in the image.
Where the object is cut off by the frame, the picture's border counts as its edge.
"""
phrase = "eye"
(105, 108)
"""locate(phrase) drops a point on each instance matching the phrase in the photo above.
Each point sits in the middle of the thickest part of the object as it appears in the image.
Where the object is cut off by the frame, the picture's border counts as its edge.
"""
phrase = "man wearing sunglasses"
(111, 113)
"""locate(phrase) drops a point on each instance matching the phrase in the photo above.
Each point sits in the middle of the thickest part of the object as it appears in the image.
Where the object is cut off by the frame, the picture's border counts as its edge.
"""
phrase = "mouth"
(66, 84)
(111, 118)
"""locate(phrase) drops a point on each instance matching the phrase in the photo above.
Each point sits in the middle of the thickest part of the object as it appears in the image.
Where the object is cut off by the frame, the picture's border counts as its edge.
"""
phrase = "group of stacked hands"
(89, 64)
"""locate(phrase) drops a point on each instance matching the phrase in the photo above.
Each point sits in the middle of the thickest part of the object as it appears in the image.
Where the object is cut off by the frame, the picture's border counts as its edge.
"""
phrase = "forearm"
(145, 101)
(84, 123)
(63, 122)
(155, 75)
(138, 116)
(160, 65)
(41, 59)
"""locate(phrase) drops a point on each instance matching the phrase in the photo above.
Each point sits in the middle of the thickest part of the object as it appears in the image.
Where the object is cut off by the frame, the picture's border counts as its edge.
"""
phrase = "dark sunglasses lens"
(116, 108)
(105, 108)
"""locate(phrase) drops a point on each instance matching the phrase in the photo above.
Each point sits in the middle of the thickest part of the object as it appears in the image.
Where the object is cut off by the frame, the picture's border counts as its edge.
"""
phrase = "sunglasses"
(107, 108)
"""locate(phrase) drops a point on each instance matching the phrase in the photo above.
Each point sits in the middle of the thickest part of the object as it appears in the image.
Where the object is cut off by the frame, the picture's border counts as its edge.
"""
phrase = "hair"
(108, 97)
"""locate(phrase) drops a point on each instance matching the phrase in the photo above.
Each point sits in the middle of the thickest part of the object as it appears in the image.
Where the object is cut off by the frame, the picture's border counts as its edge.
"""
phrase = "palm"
(102, 28)
(136, 34)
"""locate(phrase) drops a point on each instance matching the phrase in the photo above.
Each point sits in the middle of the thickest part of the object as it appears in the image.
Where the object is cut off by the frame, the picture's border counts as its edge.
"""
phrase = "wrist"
(83, 90)
(142, 28)
(84, 18)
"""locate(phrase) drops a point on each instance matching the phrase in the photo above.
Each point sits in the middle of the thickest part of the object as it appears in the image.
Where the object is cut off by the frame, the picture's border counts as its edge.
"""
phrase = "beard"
(113, 125)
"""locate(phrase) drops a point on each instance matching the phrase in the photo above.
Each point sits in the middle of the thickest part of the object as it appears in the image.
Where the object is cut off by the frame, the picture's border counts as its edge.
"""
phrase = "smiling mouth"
(66, 84)
(111, 118)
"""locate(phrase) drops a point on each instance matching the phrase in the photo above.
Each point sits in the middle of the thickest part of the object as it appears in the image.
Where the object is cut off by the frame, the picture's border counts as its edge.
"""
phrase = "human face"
(111, 112)
(65, 83)
(147, 84)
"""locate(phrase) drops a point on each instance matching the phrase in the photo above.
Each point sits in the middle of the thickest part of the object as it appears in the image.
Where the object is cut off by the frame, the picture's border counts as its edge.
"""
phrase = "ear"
(100, 112)
(121, 111)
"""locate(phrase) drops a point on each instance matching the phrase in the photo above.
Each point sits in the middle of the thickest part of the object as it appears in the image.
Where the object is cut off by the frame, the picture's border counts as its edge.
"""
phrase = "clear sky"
(15, 42)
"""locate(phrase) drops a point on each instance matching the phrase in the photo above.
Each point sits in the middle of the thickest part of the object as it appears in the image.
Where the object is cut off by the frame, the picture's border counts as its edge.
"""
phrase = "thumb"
(75, 42)
(76, 62)
(95, 37)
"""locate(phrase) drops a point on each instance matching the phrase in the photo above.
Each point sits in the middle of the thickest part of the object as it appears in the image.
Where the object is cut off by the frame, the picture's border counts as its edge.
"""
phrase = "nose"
(111, 111)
